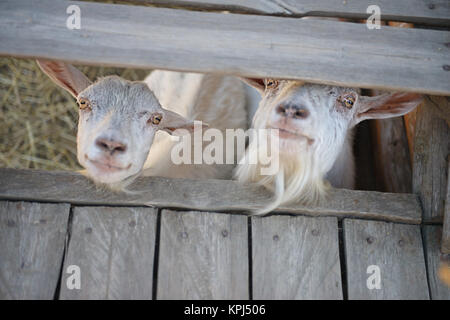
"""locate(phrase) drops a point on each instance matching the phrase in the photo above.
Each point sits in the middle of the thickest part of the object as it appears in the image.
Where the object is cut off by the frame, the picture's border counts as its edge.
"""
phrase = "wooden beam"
(445, 245)
(114, 249)
(203, 256)
(296, 258)
(441, 107)
(438, 264)
(234, 6)
(318, 51)
(392, 159)
(415, 11)
(33, 237)
(205, 195)
(410, 125)
(384, 261)
(431, 149)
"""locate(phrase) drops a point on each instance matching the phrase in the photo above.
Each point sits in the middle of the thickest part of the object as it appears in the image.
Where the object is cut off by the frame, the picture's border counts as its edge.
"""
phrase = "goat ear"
(175, 124)
(65, 75)
(256, 83)
(387, 105)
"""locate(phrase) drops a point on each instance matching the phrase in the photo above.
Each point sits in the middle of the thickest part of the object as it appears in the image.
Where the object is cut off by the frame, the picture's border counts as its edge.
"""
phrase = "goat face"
(310, 118)
(118, 120)
(116, 129)
(313, 123)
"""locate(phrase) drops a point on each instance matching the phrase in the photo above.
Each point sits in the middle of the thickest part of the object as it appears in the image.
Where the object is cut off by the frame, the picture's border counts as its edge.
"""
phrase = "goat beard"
(298, 180)
(118, 187)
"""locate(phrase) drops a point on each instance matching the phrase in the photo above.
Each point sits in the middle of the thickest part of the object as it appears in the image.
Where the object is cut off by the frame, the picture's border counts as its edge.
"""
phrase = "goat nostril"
(120, 149)
(301, 114)
(111, 146)
(281, 110)
(102, 145)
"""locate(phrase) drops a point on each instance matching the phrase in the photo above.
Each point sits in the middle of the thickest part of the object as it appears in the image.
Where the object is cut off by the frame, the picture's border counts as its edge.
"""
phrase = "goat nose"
(111, 146)
(292, 111)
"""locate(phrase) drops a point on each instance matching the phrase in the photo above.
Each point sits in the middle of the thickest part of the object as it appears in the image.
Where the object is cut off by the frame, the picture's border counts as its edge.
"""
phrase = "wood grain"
(114, 249)
(410, 125)
(398, 252)
(399, 10)
(32, 237)
(235, 6)
(296, 258)
(205, 195)
(393, 165)
(431, 149)
(445, 247)
(435, 261)
(203, 256)
(319, 51)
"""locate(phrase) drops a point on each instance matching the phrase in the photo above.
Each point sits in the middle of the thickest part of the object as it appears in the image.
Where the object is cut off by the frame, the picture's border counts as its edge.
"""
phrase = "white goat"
(119, 120)
(315, 125)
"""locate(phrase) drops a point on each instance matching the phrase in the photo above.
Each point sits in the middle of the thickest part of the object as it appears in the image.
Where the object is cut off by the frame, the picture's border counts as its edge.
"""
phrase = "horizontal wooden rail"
(435, 12)
(205, 195)
(319, 51)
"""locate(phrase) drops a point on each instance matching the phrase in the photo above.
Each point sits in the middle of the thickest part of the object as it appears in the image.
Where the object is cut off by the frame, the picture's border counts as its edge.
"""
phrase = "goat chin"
(298, 180)
(120, 186)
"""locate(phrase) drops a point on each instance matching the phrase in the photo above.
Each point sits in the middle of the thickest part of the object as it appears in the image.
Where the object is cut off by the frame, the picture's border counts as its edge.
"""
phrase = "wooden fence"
(193, 239)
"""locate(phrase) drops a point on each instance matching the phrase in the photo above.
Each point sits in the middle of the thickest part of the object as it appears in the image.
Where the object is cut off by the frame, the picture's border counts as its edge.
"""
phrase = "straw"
(38, 120)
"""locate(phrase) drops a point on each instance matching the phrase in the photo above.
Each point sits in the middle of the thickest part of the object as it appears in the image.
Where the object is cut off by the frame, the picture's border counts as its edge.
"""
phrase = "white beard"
(299, 178)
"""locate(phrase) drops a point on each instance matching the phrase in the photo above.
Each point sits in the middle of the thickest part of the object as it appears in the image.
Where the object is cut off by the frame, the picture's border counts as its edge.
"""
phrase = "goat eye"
(271, 83)
(348, 102)
(155, 119)
(84, 103)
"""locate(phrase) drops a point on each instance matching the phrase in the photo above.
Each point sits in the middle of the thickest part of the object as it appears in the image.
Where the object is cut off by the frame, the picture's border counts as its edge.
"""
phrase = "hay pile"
(38, 120)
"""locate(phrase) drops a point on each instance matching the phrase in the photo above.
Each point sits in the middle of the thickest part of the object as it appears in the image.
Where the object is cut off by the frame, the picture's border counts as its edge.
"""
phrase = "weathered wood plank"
(431, 148)
(441, 106)
(410, 125)
(32, 237)
(203, 256)
(446, 228)
(206, 195)
(436, 261)
(420, 11)
(234, 6)
(296, 258)
(392, 159)
(395, 249)
(258, 46)
(114, 249)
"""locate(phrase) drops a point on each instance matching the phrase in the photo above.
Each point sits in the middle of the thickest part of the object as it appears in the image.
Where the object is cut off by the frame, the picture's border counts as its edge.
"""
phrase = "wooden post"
(392, 160)
(445, 245)
(410, 125)
(431, 147)
(438, 264)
